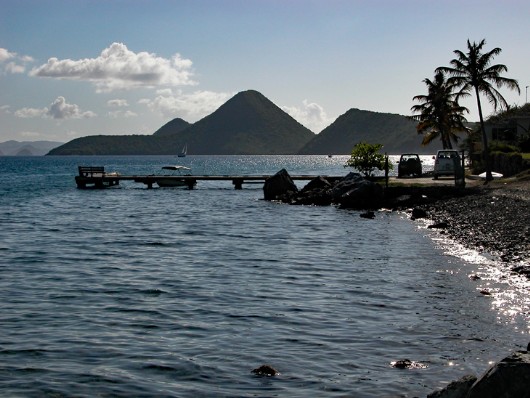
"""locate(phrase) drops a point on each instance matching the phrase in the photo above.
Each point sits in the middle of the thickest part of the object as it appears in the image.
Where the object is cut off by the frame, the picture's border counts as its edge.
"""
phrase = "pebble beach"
(492, 218)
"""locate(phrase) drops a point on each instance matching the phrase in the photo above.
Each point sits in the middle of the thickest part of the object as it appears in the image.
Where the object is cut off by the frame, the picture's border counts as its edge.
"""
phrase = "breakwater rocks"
(352, 191)
(508, 378)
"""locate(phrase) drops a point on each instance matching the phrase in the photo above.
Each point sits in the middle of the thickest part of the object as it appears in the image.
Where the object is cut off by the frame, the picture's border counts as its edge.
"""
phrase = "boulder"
(369, 214)
(317, 192)
(455, 389)
(355, 192)
(439, 225)
(265, 370)
(508, 378)
(418, 212)
(279, 185)
(318, 183)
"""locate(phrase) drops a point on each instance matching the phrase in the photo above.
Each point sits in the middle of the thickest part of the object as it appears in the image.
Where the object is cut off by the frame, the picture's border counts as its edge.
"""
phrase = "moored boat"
(172, 180)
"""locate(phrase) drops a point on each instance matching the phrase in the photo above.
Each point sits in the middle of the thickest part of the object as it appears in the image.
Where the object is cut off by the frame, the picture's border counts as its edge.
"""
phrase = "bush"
(366, 158)
(500, 146)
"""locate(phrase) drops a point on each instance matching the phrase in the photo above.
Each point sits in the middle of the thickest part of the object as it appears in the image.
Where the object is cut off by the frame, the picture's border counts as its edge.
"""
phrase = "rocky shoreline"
(494, 219)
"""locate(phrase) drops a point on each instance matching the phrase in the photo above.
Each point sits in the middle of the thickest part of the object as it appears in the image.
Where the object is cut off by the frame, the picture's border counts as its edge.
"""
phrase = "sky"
(73, 68)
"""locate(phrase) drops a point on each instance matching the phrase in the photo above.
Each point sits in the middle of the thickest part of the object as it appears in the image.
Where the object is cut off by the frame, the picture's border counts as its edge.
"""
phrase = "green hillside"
(117, 145)
(396, 132)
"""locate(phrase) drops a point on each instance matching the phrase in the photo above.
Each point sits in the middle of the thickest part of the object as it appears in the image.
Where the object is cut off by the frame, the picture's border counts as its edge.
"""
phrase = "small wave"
(27, 351)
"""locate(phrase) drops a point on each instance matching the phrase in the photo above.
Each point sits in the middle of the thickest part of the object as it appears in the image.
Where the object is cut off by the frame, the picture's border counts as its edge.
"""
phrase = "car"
(444, 163)
(409, 164)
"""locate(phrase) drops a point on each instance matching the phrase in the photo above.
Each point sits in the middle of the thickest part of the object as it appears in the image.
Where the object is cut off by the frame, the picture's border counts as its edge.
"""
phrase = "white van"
(445, 162)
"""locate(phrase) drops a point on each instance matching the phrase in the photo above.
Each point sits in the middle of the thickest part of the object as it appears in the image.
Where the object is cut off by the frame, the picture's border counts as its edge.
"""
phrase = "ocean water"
(130, 292)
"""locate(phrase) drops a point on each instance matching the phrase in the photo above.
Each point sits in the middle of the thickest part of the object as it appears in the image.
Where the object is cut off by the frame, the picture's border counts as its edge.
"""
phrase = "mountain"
(172, 127)
(117, 145)
(247, 124)
(397, 133)
(27, 148)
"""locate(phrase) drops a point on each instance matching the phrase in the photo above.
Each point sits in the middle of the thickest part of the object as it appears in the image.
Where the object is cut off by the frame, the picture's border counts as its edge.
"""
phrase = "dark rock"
(355, 192)
(506, 379)
(402, 364)
(522, 270)
(265, 370)
(279, 185)
(439, 225)
(418, 212)
(456, 389)
(315, 197)
(407, 364)
(368, 214)
(317, 192)
(319, 183)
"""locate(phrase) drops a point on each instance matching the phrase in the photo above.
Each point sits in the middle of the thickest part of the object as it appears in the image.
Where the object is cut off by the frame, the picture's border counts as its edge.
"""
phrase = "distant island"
(251, 124)
(27, 148)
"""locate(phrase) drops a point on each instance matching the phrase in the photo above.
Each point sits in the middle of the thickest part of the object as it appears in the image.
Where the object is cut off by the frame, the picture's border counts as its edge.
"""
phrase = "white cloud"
(12, 67)
(119, 68)
(26, 113)
(5, 109)
(190, 107)
(311, 115)
(117, 103)
(6, 55)
(59, 109)
(122, 114)
(17, 63)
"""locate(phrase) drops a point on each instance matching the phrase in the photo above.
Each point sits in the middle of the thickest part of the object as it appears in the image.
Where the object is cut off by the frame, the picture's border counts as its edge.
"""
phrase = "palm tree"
(473, 72)
(439, 115)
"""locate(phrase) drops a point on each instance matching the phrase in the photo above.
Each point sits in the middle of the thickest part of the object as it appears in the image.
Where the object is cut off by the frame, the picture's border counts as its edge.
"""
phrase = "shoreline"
(492, 219)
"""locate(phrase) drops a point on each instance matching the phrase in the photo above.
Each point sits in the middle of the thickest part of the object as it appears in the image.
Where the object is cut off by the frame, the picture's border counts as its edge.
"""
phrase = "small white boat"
(171, 180)
(482, 176)
(184, 151)
(493, 174)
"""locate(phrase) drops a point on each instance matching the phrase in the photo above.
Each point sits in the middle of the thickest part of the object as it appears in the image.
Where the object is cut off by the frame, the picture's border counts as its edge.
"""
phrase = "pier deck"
(99, 179)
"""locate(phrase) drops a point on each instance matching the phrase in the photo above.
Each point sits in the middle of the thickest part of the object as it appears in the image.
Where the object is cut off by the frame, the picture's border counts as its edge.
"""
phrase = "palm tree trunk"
(485, 148)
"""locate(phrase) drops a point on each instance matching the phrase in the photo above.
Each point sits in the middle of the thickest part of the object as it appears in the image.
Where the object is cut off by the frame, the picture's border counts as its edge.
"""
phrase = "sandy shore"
(493, 218)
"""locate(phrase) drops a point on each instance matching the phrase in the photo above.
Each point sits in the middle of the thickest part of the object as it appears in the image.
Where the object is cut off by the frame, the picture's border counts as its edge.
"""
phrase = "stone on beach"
(508, 378)
(279, 185)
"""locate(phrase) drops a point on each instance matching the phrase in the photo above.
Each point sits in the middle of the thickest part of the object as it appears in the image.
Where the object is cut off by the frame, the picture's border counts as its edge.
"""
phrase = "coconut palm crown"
(439, 115)
(473, 73)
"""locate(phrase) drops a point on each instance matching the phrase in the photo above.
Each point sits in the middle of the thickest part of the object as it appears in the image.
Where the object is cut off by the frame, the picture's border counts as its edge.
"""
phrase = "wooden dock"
(96, 177)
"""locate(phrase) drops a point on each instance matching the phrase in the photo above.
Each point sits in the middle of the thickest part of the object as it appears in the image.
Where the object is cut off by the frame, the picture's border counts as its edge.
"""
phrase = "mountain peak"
(172, 127)
(248, 123)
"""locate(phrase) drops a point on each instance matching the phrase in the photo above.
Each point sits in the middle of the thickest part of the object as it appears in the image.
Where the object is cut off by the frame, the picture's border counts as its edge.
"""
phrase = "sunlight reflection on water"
(507, 291)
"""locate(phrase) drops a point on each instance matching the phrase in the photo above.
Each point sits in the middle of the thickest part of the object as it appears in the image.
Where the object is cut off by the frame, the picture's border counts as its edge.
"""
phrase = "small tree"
(366, 158)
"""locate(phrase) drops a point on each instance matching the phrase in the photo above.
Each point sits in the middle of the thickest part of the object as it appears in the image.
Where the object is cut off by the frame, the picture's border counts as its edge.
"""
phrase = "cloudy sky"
(71, 68)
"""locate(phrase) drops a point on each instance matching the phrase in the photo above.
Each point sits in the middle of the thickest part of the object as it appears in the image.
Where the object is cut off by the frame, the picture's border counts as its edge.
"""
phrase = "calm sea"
(130, 292)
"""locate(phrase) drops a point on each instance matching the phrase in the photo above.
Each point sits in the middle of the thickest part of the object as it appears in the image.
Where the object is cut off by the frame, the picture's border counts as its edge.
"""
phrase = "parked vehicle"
(445, 163)
(409, 164)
